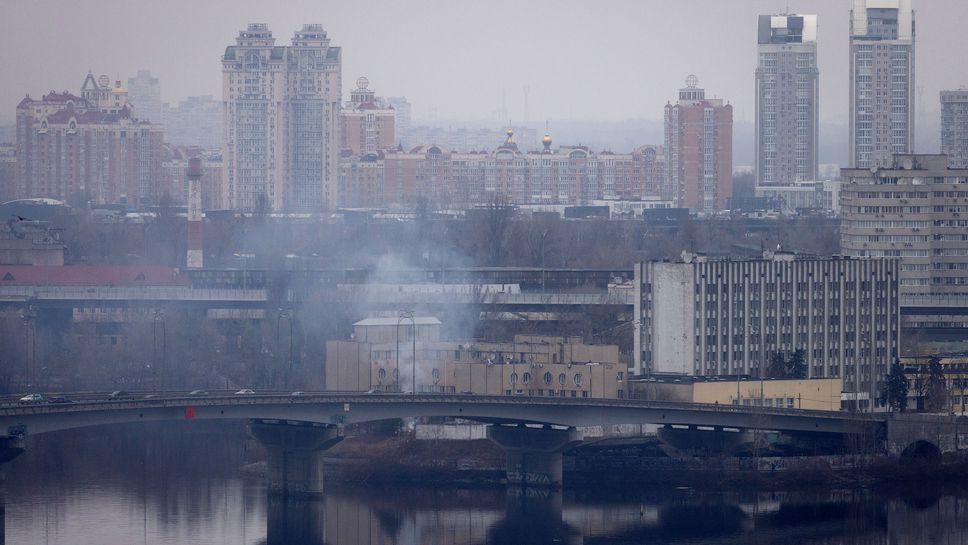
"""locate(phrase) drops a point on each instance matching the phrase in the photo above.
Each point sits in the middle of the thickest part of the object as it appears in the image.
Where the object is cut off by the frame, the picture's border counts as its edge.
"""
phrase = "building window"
(547, 378)
(562, 379)
(513, 379)
(381, 375)
(578, 379)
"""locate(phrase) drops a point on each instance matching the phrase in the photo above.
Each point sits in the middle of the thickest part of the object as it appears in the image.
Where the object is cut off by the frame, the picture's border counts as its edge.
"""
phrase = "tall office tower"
(282, 121)
(699, 150)
(954, 127)
(368, 125)
(787, 93)
(144, 92)
(881, 81)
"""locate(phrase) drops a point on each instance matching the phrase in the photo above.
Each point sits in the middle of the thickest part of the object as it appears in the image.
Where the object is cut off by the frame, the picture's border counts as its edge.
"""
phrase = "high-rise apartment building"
(954, 127)
(88, 148)
(787, 93)
(699, 149)
(282, 120)
(144, 92)
(914, 209)
(368, 124)
(881, 81)
(709, 317)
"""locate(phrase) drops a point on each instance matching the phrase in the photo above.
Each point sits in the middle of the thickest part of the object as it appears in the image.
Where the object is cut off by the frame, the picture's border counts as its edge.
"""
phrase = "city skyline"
(480, 75)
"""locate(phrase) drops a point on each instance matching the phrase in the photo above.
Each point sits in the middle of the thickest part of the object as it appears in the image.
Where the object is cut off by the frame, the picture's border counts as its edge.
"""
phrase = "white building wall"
(673, 318)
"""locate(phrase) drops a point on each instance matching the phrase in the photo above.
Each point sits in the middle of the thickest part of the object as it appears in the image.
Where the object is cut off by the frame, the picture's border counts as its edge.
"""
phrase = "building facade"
(381, 357)
(911, 210)
(724, 317)
(567, 175)
(282, 121)
(368, 123)
(954, 127)
(787, 97)
(699, 150)
(818, 394)
(881, 81)
(195, 121)
(90, 149)
(144, 93)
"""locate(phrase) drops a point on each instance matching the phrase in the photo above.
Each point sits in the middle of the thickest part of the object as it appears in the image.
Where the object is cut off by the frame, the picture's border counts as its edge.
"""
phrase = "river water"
(177, 484)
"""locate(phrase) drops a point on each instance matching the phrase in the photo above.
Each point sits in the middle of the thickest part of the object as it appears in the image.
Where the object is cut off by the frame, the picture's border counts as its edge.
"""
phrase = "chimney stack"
(195, 252)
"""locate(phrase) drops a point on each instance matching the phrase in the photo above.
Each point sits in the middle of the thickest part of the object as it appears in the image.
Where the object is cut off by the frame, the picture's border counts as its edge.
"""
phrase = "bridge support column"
(294, 467)
(534, 455)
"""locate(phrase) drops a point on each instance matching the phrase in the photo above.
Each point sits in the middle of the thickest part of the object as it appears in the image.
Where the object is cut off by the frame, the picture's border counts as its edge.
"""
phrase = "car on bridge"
(59, 400)
(120, 394)
(244, 391)
(32, 398)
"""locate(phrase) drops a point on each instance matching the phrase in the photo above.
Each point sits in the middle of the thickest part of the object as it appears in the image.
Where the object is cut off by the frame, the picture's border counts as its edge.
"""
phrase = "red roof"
(83, 275)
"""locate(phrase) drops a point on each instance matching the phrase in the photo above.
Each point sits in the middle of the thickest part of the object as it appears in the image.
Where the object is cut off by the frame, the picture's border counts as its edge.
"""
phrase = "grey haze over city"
(490, 272)
(456, 60)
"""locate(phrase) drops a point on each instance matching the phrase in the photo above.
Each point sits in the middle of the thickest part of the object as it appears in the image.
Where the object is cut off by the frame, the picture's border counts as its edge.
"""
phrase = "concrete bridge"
(534, 432)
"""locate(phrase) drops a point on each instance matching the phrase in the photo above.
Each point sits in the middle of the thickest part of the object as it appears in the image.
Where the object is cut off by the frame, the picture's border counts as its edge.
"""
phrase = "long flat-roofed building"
(708, 317)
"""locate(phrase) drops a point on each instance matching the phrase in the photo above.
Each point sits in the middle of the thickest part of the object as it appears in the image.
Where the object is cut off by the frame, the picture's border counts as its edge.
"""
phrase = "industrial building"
(704, 317)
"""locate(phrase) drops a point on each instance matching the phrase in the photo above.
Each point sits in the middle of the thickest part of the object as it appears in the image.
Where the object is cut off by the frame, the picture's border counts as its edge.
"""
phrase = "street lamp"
(30, 342)
(159, 315)
(285, 313)
(406, 315)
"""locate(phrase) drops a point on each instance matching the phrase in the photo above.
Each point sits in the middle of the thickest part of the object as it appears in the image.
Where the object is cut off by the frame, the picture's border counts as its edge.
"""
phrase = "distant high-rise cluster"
(282, 120)
(699, 149)
(787, 91)
(881, 81)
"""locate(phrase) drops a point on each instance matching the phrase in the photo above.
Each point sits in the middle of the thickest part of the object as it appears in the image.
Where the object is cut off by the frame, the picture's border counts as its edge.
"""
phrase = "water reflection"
(169, 485)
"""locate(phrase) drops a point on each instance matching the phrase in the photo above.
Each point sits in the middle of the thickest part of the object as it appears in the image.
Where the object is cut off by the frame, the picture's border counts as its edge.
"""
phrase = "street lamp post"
(406, 315)
(159, 315)
(285, 313)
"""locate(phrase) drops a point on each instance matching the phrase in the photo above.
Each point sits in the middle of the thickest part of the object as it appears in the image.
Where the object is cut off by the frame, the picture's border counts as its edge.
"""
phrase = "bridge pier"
(534, 455)
(294, 467)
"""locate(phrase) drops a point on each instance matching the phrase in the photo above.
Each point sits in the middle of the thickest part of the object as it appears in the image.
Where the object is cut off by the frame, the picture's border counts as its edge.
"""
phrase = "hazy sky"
(608, 60)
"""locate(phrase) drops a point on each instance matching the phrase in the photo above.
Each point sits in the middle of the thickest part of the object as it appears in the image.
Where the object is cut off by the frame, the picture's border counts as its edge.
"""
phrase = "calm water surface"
(172, 484)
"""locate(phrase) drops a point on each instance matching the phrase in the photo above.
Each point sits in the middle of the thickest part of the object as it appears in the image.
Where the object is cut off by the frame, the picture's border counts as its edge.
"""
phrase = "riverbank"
(480, 463)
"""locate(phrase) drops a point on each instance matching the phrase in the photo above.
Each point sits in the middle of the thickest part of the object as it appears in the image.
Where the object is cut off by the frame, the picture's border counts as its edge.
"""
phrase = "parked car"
(244, 391)
(32, 398)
